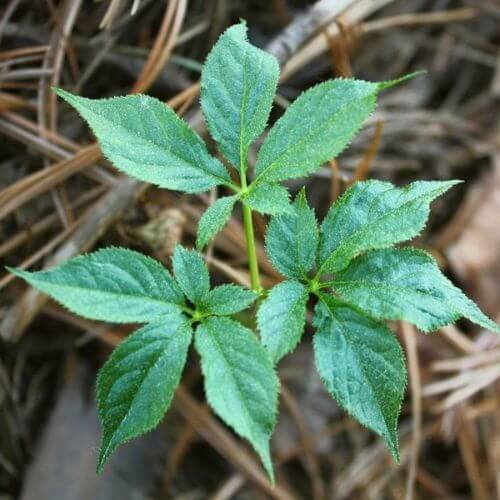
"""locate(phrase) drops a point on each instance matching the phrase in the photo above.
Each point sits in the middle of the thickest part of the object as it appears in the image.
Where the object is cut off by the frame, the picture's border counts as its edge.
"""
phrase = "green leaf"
(281, 318)
(214, 219)
(191, 273)
(146, 139)
(362, 366)
(374, 214)
(315, 128)
(272, 199)
(137, 383)
(238, 84)
(114, 284)
(240, 382)
(229, 299)
(292, 240)
(406, 284)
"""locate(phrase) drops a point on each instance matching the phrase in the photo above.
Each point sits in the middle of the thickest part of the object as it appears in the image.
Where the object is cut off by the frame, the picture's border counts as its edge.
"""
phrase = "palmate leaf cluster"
(137, 383)
(349, 265)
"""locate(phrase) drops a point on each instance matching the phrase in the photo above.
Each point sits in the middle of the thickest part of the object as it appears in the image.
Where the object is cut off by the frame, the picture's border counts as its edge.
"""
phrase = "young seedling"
(349, 264)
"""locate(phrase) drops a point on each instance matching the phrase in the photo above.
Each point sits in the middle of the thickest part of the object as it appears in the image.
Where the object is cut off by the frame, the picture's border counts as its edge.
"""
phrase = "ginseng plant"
(348, 266)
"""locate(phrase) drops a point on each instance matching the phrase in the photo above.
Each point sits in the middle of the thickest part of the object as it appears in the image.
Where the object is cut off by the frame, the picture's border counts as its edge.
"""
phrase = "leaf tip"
(393, 446)
(63, 94)
(239, 29)
(104, 453)
(396, 457)
(178, 250)
(20, 273)
(272, 479)
(301, 195)
(391, 440)
(392, 83)
(100, 466)
(453, 182)
(200, 243)
(447, 185)
(301, 199)
(268, 466)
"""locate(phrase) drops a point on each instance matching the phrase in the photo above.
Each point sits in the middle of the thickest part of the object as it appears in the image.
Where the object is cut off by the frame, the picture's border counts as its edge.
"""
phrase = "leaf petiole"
(253, 263)
(233, 187)
(188, 310)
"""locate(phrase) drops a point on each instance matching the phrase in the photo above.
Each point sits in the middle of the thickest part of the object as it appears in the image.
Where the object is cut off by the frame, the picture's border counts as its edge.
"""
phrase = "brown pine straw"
(120, 196)
(164, 43)
(363, 168)
(310, 457)
(410, 341)
(362, 9)
(463, 376)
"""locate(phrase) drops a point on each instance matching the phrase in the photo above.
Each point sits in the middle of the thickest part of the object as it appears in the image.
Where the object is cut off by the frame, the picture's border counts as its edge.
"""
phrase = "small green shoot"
(348, 265)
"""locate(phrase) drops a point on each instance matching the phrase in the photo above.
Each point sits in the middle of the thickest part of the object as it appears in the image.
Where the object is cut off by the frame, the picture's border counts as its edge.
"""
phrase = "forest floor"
(58, 198)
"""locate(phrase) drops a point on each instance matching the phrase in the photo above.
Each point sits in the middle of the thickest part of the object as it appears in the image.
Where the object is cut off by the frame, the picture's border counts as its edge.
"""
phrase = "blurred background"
(58, 197)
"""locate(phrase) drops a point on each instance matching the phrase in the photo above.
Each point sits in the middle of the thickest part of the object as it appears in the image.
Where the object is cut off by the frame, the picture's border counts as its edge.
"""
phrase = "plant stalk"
(253, 263)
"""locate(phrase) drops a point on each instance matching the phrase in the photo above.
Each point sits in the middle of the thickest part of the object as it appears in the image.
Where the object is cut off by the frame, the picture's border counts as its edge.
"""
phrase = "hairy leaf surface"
(292, 240)
(374, 214)
(281, 318)
(137, 383)
(146, 139)
(315, 128)
(214, 219)
(271, 199)
(191, 273)
(362, 366)
(406, 284)
(114, 284)
(238, 84)
(229, 299)
(240, 383)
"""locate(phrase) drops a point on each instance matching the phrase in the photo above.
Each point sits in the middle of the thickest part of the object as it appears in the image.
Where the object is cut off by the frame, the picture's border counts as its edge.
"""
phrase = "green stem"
(253, 263)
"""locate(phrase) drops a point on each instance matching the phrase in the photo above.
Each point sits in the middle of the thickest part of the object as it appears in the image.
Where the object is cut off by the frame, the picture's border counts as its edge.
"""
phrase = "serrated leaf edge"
(394, 444)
